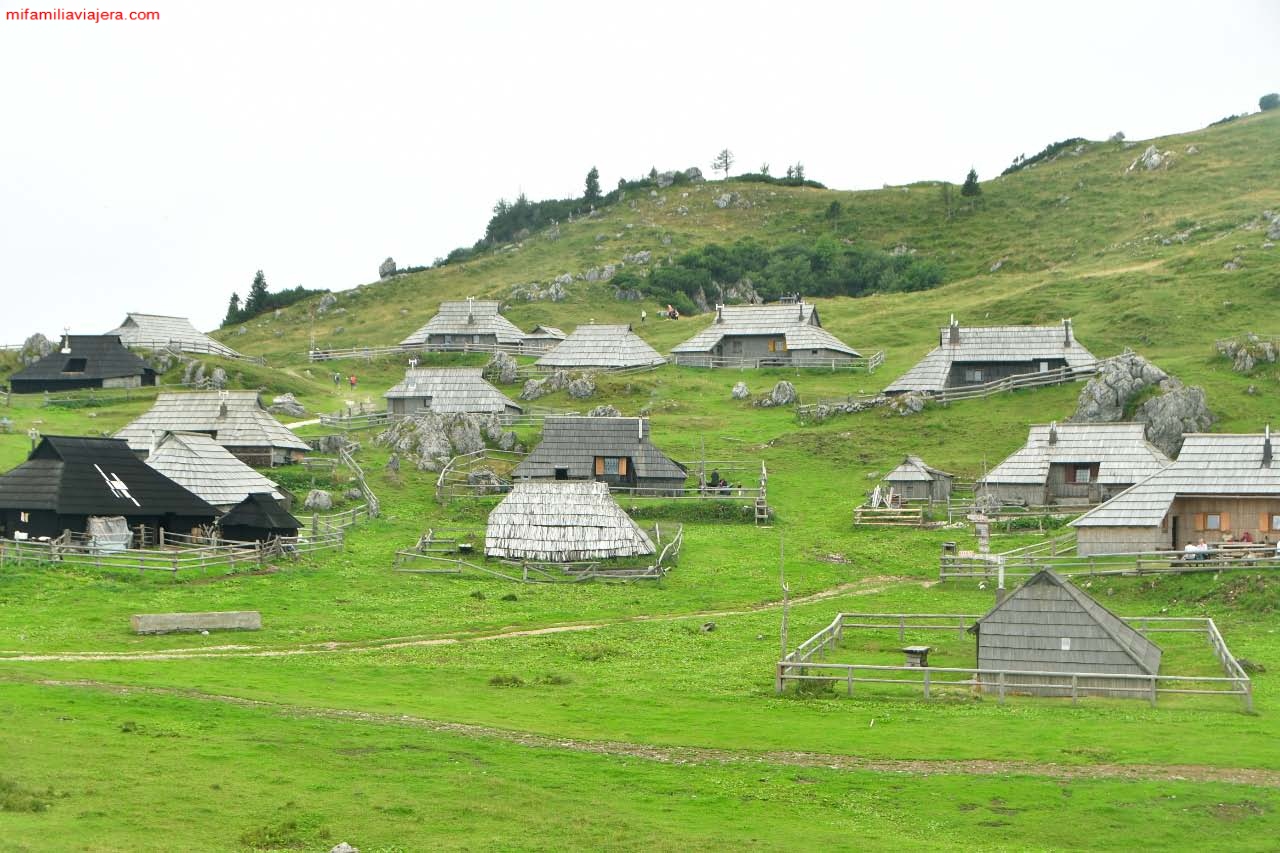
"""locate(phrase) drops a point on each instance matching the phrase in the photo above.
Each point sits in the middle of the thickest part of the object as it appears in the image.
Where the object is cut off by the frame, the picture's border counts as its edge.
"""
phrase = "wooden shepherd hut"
(1074, 463)
(447, 390)
(461, 325)
(84, 361)
(562, 523)
(68, 483)
(257, 518)
(604, 347)
(205, 468)
(975, 355)
(234, 419)
(913, 480)
(158, 331)
(616, 451)
(1050, 625)
(1220, 487)
(542, 338)
(778, 335)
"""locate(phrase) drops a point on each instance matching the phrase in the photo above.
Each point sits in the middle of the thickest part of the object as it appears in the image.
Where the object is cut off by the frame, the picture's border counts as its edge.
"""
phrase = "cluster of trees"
(1022, 161)
(826, 267)
(260, 300)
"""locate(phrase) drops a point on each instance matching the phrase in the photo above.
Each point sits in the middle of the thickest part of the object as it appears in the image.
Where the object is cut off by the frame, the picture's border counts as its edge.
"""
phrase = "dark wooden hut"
(257, 518)
(66, 481)
(84, 361)
(613, 450)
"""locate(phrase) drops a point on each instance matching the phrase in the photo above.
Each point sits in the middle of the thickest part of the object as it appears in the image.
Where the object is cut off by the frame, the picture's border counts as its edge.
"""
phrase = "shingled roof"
(914, 468)
(562, 522)
(75, 476)
(1121, 450)
(1229, 464)
(95, 357)
(601, 346)
(992, 344)
(468, 317)
(797, 323)
(452, 389)
(1048, 608)
(153, 331)
(573, 443)
(261, 511)
(233, 418)
(207, 469)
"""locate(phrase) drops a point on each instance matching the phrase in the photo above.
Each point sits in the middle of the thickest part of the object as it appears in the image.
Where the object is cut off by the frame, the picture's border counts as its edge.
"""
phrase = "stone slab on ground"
(168, 623)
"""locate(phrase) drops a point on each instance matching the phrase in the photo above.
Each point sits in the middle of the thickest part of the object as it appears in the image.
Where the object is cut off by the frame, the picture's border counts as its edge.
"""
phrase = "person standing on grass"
(644, 315)
(337, 377)
(352, 380)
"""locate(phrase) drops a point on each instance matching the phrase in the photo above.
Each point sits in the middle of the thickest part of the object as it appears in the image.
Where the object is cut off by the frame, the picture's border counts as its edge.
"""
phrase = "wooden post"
(778, 682)
(1074, 689)
(161, 537)
(926, 683)
(1248, 697)
(1153, 691)
(1000, 685)
(902, 628)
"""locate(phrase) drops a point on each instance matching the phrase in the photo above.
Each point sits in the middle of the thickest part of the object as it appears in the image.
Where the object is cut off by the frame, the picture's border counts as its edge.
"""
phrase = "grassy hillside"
(404, 712)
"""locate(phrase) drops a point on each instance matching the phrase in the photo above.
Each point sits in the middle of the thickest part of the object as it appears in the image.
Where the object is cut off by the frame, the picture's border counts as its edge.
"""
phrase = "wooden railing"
(181, 348)
(1021, 565)
(867, 363)
(804, 664)
(372, 504)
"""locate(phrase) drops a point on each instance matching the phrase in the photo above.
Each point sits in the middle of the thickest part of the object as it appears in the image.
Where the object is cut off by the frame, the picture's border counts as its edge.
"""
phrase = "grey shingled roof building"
(235, 419)
(973, 355)
(789, 333)
(562, 522)
(542, 338)
(1219, 486)
(1050, 625)
(1075, 462)
(602, 346)
(447, 390)
(614, 450)
(470, 321)
(208, 470)
(156, 331)
(915, 480)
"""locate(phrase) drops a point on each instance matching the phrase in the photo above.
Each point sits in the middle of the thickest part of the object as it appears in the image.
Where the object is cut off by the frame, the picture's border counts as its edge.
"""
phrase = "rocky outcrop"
(638, 257)
(581, 388)
(605, 411)
(430, 440)
(326, 302)
(485, 482)
(286, 404)
(1106, 396)
(549, 384)
(822, 411)
(910, 403)
(387, 268)
(1248, 352)
(725, 200)
(318, 500)
(35, 348)
(1179, 409)
(694, 175)
(782, 394)
(218, 379)
(1150, 159)
(740, 391)
(502, 368)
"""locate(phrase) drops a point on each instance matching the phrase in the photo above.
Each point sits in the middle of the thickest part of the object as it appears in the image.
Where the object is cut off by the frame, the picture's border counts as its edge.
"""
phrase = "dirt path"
(865, 586)
(706, 755)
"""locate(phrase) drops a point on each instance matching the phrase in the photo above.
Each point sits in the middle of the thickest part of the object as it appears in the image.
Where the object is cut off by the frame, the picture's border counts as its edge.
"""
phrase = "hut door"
(1173, 529)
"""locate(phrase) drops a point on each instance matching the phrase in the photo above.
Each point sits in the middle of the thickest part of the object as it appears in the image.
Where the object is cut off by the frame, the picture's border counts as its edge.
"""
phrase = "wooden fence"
(1025, 564)
(199, 348)
(175, 555)
(866, 363)
(804, 664)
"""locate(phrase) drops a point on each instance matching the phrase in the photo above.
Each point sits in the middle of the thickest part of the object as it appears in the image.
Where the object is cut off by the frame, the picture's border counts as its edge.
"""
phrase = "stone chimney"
(1066, 332)
(471, 312)
(719, 313)
(1266, 447)
(953, 331)
(1053, 433)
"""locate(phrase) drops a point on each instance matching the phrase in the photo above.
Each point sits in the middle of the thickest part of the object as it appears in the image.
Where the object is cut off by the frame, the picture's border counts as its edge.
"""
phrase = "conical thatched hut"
(562, 522)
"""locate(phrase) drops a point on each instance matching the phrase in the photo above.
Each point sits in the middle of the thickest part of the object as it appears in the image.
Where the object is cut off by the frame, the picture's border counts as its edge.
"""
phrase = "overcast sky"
(154, 166)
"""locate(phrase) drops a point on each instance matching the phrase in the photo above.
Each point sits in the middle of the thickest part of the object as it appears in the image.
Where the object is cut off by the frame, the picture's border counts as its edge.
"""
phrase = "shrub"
(506, 681)
(1269, 101)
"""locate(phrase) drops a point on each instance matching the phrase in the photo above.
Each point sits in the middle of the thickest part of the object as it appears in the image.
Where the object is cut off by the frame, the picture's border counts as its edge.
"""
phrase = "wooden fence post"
(1074, 689)
(926, 683)
(1153, 691)
(778, 678)
(1000, 685)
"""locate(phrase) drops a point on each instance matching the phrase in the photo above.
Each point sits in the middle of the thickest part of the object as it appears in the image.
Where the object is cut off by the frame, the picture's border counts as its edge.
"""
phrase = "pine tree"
(723, 162)
(798, 172)
(257, 301)
(233, 310)
(592, 194)
(971, 186)
(1269, 101)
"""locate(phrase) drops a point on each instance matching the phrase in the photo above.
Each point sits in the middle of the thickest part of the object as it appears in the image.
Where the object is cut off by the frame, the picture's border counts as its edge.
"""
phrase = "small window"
(562, 473)
(24, 517)
(611, 465)
(1082, 473)
(1275, 522)
(75, 365)
(773, 346)
(1044, 367)
(1213, 521)
(972, 375)
(1066, 643)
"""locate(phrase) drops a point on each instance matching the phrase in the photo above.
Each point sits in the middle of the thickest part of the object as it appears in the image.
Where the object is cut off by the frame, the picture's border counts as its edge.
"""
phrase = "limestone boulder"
(1178, 409)
(605, 411)
(318, 500)
(286, 404)
(740, 391)
(387, 268)
(502, 368)
(35, 348)
(1106, 396)
(782, 394)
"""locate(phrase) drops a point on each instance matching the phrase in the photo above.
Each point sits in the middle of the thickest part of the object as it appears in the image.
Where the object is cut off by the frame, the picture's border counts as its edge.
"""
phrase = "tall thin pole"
(786, 593)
